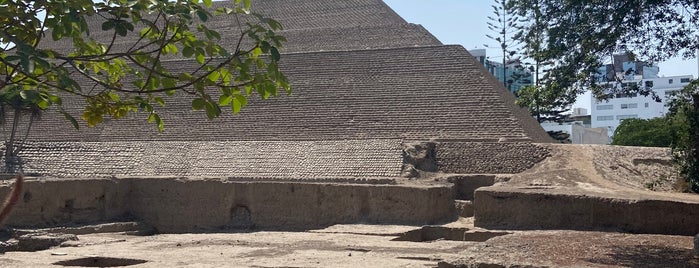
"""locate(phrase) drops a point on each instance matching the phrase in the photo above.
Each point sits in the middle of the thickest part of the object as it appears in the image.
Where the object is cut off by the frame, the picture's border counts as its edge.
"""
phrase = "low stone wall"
(186, 205)
(532, 209)
(45, 203)
(488, 157)
(248, 159)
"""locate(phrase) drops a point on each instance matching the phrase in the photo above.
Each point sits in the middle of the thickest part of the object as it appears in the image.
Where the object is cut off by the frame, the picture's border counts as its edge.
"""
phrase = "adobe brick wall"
(299, 160)
(418, 93)
(499, 207)
(49, 202)
(186, 205)
(488, 157)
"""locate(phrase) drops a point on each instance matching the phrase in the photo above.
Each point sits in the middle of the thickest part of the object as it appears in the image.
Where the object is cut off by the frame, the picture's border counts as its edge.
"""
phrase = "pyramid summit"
(365, 83)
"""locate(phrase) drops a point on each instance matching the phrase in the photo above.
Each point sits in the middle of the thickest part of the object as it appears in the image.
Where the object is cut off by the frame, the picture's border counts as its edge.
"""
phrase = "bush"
(656, 132)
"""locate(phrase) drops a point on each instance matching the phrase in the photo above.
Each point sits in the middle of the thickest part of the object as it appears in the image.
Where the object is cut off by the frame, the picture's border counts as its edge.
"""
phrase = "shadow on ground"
(648, 256)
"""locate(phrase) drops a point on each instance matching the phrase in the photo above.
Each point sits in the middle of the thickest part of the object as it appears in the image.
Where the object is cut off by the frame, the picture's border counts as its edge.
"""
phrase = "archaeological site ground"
(394, 150)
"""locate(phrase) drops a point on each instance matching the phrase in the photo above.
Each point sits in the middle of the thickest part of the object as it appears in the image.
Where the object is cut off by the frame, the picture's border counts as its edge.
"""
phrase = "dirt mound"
(611, 167)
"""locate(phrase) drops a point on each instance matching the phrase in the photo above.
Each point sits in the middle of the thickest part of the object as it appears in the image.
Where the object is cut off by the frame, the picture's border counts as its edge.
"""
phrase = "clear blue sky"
(464, 22)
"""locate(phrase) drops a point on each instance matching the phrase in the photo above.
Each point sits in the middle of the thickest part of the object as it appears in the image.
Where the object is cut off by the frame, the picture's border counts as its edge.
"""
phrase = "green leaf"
(185, 77)
(155, 118)
(71, 119)
(256, 52)
(198, 104)
(151, 118)
(108, 25)
(202, 15)
(224, 100)
(275, 25)
(238, 103)
(43, 105)
(212, 111)
(168, 82)
(214, 76)
(187, 51)
(275, 54)
(159, 101)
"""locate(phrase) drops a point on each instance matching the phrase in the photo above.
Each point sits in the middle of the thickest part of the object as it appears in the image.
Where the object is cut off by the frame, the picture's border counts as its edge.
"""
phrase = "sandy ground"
(614, 171)
(371, 246)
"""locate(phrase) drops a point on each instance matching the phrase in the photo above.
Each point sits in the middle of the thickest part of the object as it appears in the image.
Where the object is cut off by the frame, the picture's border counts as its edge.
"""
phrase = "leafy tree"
(123, 61)
(545, 99)
(504, 23)
(656, 132)
(684, 113)
(544, 103)
(582, 35)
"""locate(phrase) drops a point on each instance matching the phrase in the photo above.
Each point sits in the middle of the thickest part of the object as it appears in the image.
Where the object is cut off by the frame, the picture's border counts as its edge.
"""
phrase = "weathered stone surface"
(185, 205)
(500, 207)
(176, 205)
(488, 157)
(363, 94)
(418, 158)
(464, 208)
(111, 227)
(42, 241)
(320, 26)
(358, 72)
(49, 202)
(326, 160)
(696, 246)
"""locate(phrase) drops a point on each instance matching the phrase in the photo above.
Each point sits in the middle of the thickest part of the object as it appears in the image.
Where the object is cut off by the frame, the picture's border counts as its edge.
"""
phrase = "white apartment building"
(609, 113)
(578, 127)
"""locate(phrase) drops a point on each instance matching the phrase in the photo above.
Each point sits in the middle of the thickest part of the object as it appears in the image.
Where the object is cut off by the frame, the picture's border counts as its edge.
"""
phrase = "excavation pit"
(433, 233)
(100, 262)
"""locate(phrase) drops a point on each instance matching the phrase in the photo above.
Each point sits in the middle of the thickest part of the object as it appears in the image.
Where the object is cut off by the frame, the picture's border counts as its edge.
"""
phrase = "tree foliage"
(128, 79)
(545, 99)
(583, 35)
(684, 115)
(656, 132)
(49, 50)
(504, 23)
(544, 103)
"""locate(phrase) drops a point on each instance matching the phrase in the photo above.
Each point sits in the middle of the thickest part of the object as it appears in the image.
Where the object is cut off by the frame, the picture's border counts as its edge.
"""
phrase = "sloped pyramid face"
(364, 82)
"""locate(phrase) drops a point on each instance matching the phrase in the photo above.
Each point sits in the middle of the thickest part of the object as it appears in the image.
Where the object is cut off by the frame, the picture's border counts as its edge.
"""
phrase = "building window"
(684, 80)
(669, 81)
(605, 118)
(629, 105)
(605, 107)
(646, 105)
(626, 116)
(626, 95)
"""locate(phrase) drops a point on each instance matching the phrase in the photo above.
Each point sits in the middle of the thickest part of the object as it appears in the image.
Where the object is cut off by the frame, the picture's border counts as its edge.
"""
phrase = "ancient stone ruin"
(376, 101)
(386, 125)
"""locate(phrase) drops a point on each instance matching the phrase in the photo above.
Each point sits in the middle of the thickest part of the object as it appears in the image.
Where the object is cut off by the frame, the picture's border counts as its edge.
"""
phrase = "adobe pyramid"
(365, 82)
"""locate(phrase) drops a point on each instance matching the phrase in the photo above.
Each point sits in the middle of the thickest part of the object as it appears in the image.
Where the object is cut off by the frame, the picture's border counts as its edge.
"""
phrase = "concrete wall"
(184, 205)
(530, 209)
